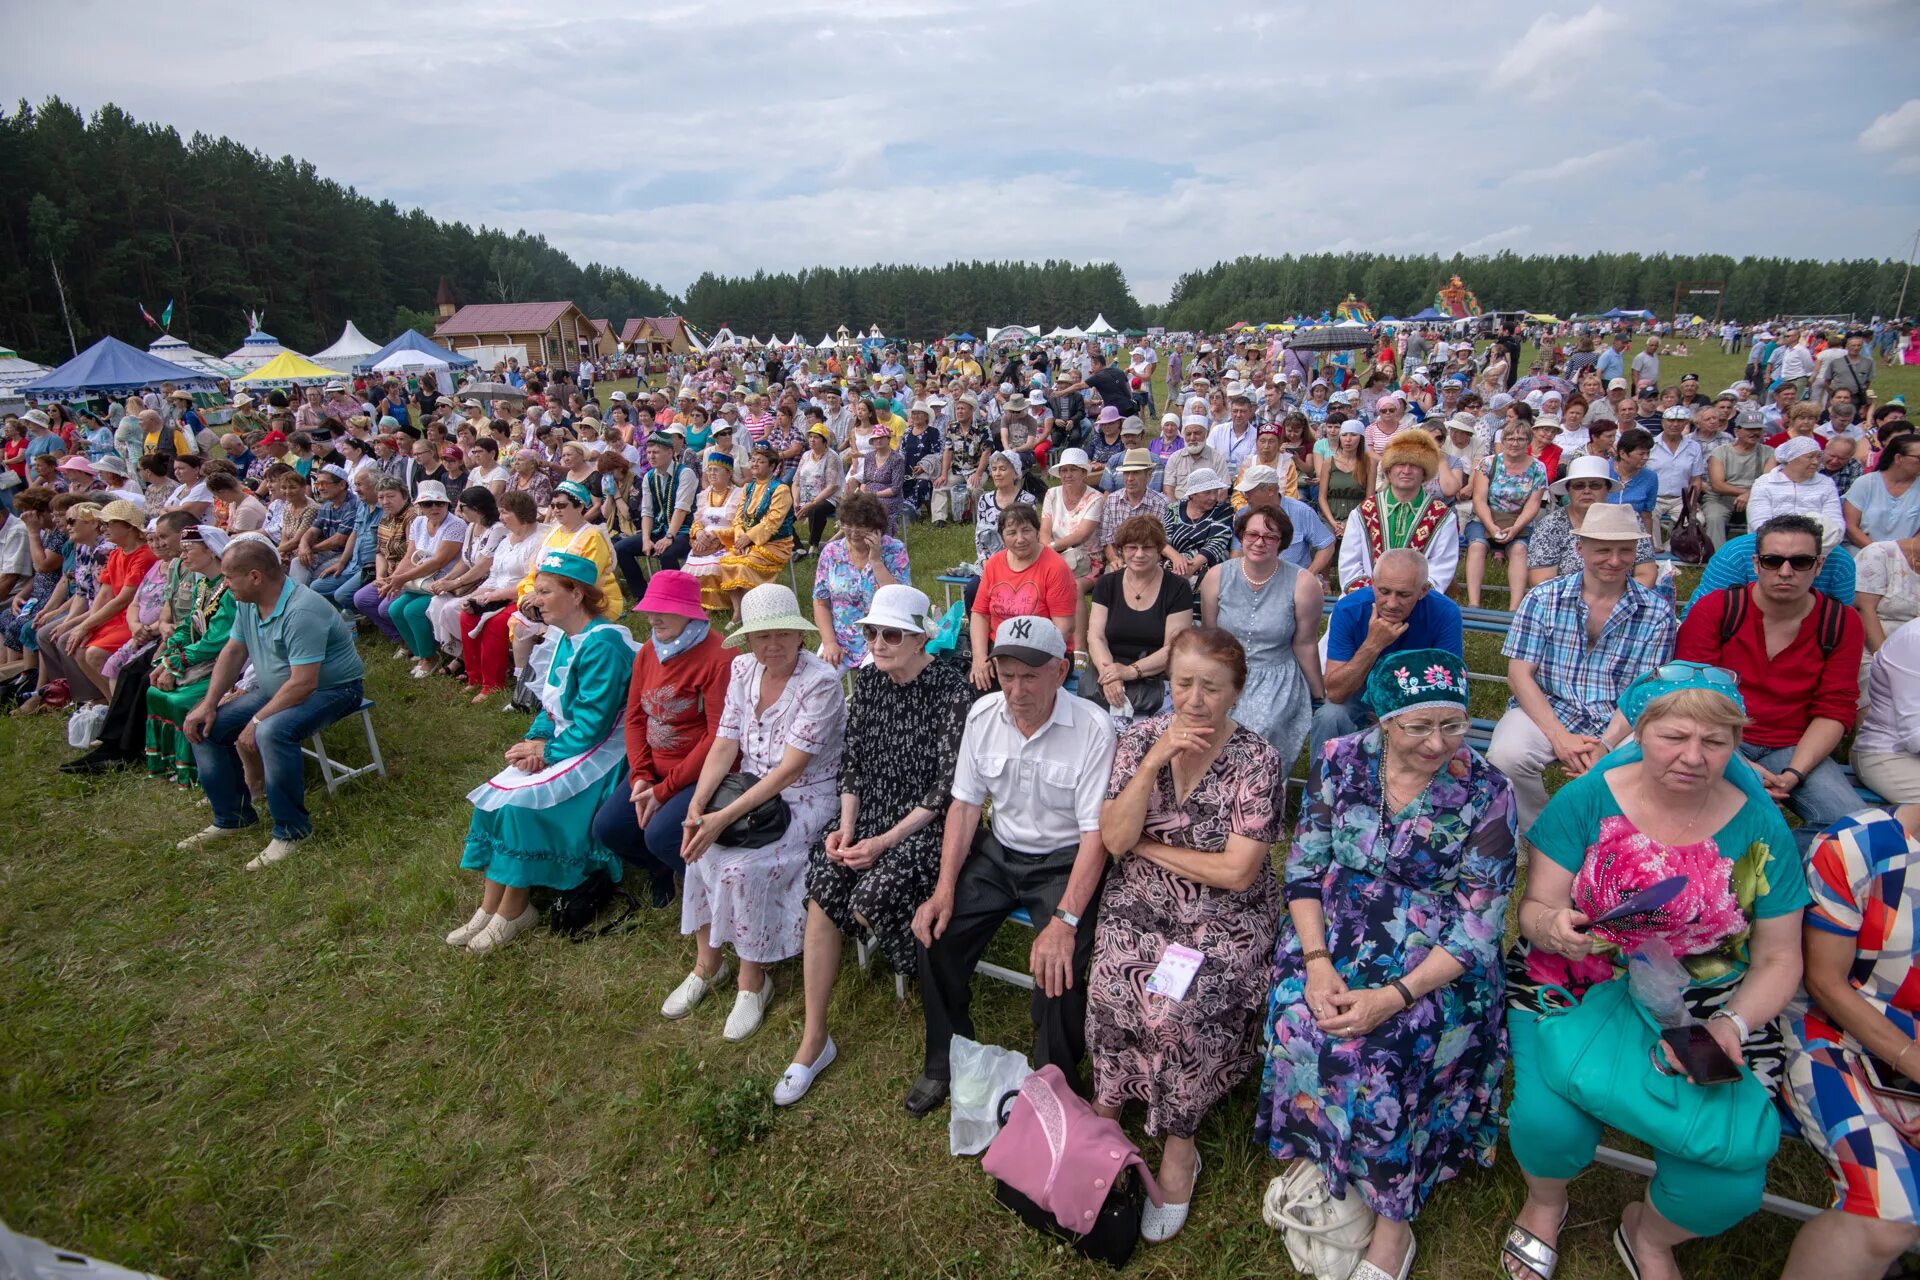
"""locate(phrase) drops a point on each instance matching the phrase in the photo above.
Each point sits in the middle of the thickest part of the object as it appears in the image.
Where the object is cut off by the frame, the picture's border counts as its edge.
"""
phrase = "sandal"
(1364, 1270)
(1530, 1251)
(1625, 1250)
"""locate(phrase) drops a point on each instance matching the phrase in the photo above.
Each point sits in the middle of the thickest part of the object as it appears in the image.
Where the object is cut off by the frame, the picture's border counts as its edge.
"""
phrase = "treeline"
(128, 213)
(1266, 289)
(915, 302)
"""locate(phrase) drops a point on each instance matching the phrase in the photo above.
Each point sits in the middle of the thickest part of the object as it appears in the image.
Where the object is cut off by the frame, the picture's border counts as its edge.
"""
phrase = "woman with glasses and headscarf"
(1384, 1025)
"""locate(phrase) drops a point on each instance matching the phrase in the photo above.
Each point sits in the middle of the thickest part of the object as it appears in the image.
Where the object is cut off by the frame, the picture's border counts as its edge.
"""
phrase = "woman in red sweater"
(674, 700)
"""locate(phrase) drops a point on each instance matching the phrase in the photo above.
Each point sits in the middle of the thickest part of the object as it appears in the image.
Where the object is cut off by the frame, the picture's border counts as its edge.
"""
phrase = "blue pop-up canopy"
(412, 340)
(111, 367)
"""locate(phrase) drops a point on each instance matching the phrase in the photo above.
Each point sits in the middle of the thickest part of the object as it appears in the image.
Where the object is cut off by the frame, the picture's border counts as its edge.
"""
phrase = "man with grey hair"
(1396, 613)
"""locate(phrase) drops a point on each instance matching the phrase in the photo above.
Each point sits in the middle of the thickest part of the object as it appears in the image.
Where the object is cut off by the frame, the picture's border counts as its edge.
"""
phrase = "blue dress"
(1416, 1100)
(1275, 703)
(536, 828)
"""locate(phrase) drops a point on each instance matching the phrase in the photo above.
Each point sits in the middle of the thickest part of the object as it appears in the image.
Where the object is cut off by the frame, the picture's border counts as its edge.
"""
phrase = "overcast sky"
(678, 137)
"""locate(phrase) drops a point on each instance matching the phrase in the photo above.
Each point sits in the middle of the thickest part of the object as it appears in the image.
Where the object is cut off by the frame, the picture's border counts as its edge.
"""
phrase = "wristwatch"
(1739, 1023)
(1066, 917)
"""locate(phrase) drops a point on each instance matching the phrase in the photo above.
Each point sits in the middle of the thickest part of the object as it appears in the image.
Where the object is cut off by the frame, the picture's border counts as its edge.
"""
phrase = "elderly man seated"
(1577, 642)
(1313, 543)
(1042, 756)
(1400, 612)
(306, 675)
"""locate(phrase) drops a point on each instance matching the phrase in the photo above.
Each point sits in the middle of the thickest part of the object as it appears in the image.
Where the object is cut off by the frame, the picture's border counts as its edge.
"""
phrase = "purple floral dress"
(1416, 1100)
(1181, 1057)
(848, 592)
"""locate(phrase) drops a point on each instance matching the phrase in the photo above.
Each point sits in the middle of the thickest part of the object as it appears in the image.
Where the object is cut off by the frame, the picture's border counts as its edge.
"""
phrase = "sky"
(677, 137)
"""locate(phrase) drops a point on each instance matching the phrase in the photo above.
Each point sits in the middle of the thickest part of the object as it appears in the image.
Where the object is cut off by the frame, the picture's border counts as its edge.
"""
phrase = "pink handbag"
(1065, 1162)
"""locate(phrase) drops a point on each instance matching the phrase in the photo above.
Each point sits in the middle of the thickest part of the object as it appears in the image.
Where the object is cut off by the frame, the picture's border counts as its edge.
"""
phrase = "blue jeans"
(278, 739)
(340, 586)
(1336, 720)
(1822, 798)
(654, 850)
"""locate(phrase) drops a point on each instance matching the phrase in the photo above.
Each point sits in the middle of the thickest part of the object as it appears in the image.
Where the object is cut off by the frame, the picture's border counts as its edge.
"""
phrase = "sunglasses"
(892, 636)
(1774, 563)
(1685, 671)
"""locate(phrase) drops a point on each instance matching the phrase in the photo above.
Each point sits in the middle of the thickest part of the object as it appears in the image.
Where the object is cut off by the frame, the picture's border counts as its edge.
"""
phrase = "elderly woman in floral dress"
(1384, 1025)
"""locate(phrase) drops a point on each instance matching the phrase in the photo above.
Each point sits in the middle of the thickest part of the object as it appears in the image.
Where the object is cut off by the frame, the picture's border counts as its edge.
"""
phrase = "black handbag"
(1115, 1234)
(755, 830)
(1689, 543)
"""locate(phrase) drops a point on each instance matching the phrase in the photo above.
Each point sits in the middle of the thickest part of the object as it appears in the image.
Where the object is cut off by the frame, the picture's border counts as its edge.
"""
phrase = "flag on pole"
(166, 315)
(148, 316)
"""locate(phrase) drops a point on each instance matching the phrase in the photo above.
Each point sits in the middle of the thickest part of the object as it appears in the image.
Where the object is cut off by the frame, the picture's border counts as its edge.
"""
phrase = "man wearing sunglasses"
(1797, 654)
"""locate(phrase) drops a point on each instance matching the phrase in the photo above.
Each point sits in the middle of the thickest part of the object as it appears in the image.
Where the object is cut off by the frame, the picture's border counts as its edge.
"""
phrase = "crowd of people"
(1108, 741)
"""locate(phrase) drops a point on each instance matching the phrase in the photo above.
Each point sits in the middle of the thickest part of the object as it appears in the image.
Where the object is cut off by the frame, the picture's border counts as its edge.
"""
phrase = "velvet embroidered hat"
(1417, 678)
(565, 564)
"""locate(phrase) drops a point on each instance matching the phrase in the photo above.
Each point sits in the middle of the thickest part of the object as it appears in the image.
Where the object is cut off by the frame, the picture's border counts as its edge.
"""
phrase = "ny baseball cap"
(1030, 640)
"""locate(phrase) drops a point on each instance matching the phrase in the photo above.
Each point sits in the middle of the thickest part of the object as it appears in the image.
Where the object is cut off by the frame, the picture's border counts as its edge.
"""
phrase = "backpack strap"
(1832, 626)
(1733, 613)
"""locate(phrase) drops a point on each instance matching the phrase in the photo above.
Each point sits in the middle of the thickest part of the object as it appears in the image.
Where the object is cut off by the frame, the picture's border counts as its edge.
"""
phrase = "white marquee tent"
(170, 348)
(1100, 327)
(349, 349)
(409, 361)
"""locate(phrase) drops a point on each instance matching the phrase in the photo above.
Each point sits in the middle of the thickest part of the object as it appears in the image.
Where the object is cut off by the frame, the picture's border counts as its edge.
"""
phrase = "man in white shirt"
(1795, 362)
(1043, 756)
(1680, 465)
(1233, 440)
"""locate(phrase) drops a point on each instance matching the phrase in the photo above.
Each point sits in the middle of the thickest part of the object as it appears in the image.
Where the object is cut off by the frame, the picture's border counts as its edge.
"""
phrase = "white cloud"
(1897, 134)
(1581, 165)
(1501, 239)
(1557, 54)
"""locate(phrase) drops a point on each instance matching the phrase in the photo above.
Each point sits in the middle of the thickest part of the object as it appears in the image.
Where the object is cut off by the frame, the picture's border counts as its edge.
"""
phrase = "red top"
(123, 569)
(673, 711)
(1786, 691)
(1044, 589)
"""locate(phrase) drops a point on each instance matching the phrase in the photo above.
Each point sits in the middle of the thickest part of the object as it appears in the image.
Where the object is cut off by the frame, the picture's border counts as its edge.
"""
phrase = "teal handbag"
(1598, 1055)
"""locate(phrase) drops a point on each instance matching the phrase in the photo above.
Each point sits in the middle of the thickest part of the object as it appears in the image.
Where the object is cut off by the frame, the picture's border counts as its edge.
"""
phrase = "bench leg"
(373, 744)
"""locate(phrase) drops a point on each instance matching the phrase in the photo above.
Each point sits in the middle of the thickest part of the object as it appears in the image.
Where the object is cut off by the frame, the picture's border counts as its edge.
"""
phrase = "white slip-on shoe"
(687, 996)
(1160, 1223)
(206, 836)
(1364, 1270)
(464, 934)
(749, 1007)
(277, 850)
(797, 1079)
(499, 931)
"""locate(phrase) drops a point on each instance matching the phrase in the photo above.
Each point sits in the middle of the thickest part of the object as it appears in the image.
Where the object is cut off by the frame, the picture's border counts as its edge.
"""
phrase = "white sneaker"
(749, 1007)
(400, 653)
(206, 836)
(422, 669)
(277, 850)
(464, 934)
(1160, 1223)
(797, 1079)
(688, 995)
(499, 931)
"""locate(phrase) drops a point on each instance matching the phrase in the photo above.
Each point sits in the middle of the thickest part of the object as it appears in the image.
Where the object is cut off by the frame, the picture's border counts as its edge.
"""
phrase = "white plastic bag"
(84, 725)
(1325, 1237)
(982, 1074)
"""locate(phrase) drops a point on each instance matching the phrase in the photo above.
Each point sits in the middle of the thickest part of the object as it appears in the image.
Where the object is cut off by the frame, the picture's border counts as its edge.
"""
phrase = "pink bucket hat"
(672, 591)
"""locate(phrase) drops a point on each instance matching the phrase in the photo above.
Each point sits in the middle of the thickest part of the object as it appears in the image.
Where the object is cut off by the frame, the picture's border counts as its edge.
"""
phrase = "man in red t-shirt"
(1797, 654)
(1022, 580)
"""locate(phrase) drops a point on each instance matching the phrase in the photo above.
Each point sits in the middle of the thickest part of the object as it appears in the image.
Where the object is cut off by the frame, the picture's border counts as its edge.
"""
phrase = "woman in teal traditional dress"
(533, 821)
(185, 661)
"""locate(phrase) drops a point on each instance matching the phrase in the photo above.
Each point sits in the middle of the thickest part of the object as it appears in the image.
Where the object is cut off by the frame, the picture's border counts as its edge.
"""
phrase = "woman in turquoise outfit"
(533, 821)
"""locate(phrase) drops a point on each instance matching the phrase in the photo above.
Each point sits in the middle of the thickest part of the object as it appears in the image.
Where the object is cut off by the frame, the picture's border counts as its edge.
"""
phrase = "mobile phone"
(1887, 1079)
(1700, 1055)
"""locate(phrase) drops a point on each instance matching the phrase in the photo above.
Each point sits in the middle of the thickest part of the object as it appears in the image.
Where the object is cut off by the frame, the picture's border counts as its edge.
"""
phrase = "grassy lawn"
(205, 1072)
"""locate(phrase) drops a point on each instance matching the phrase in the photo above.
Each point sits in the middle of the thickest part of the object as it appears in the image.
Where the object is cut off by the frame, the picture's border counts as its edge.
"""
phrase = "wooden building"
(553, 333)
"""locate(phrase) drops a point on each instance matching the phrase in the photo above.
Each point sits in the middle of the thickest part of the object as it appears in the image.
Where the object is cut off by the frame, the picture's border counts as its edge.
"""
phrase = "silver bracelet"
(1739, 1023)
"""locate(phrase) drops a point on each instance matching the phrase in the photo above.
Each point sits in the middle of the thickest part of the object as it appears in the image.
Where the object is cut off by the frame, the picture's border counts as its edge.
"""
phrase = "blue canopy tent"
(411, 340)
(1428, 314)
(111, 367)
(1618, 314)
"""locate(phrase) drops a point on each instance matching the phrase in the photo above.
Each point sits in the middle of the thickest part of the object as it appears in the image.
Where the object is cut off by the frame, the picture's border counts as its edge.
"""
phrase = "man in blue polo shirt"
(306, 675)
(1398, 612)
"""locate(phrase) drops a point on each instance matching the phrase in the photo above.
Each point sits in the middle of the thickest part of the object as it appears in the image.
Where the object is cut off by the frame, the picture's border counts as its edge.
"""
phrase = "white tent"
(15, 372)
(796, 340)
(349, 349)
(724, 338)
(168, 347)
(1012, 333)
(875, 334)
(1068, 334)
(825, 343)
(1100, 327)
(408, 361)
(258, 349)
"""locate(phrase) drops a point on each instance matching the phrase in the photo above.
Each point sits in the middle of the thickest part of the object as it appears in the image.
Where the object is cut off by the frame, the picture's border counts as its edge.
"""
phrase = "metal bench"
(333, 772)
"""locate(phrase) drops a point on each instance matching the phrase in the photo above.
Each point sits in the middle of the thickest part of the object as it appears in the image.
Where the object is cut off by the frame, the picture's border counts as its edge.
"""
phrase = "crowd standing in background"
(1098, 732)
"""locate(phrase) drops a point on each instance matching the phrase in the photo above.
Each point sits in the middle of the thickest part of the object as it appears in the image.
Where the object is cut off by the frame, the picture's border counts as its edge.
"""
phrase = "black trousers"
(993, 882)
(124, 734)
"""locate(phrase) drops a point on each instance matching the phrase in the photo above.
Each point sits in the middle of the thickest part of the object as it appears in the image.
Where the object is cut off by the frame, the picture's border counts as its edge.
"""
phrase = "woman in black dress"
(878, 863)
(1136, 615)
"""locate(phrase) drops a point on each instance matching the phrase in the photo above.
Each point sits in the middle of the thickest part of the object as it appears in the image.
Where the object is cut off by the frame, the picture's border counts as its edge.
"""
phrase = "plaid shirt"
(1583, 682)
(335, 519)
(1115, 512)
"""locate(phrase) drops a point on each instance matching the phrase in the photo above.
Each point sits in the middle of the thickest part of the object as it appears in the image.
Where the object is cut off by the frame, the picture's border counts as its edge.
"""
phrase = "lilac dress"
(756, 899)
(1417, 1099)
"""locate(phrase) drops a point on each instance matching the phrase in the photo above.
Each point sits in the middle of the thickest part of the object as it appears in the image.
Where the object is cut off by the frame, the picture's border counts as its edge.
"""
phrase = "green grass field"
(205, 1072)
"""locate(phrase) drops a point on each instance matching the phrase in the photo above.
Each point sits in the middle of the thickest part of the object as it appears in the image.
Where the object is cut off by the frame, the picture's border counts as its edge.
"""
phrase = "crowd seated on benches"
(962, 783)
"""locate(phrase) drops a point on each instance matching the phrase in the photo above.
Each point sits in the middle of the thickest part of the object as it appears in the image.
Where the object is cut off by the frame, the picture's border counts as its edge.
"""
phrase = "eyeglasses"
(1774, 563)
(1421, 730)
(891, 636)
(1251, 536)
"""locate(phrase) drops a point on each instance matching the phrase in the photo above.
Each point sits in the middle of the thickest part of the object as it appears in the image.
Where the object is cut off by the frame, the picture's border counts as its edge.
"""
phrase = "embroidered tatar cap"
(565, 564)
(1417, 678)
